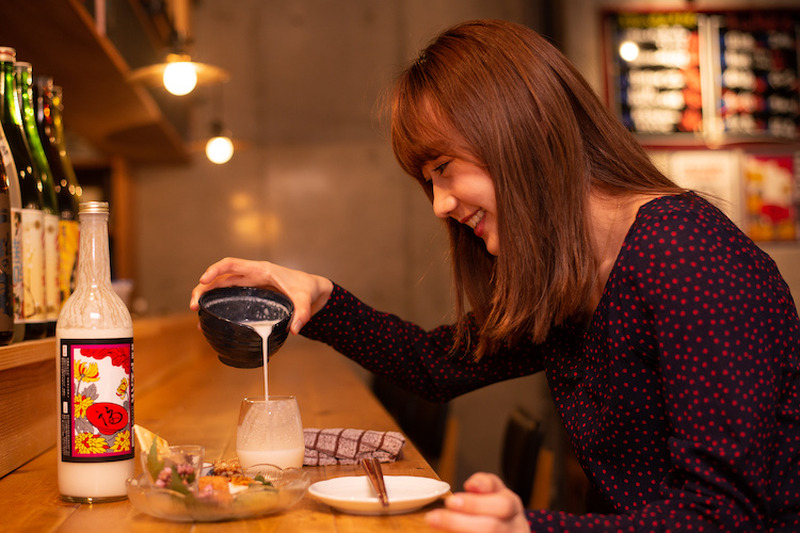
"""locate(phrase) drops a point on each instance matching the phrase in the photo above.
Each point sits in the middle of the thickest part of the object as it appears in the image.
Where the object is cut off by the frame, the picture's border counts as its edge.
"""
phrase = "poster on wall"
(715, 174)
(771, 196)
(732, 73)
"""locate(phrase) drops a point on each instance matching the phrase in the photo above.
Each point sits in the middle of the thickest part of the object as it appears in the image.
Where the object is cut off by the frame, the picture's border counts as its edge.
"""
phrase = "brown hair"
(500, 94)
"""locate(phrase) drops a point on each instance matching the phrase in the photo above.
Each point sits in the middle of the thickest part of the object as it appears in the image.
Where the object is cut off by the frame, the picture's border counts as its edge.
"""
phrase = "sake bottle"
(15, 227)
(31, 310)
(48, 104)
(94, 343)
(6, 264)
(52, 296)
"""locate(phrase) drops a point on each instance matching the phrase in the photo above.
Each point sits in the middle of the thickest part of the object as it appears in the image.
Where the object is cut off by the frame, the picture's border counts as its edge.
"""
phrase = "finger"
(483, 482)
(503, 505)
(463, 523)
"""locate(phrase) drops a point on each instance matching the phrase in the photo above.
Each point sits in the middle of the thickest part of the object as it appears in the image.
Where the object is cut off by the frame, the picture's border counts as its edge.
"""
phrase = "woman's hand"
(309, 293)
(487, 506)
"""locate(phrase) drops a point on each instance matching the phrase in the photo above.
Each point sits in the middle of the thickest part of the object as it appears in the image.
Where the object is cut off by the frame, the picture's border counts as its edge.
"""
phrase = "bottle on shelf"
(52, 297)
(94, 344)
(6, 263)
(11, 182)
(48, 109)
(31, 309)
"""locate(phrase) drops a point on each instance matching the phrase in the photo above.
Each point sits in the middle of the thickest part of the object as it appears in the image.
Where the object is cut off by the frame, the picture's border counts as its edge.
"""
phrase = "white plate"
(354, 494)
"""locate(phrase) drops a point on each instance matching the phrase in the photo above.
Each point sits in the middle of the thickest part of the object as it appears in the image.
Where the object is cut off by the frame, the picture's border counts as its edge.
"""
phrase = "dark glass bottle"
(31, 311)
(52, 297)
(6, 263)
(48, 108)
(12, 184)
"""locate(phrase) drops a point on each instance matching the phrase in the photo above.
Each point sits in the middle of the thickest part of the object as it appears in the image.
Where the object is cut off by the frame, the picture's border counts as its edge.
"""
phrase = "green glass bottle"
(52, 297)
(48, 107)
(31, 311)
(15, 213)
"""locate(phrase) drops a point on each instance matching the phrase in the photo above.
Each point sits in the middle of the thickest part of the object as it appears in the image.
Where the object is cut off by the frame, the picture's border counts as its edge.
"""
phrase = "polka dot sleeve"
(410, 356)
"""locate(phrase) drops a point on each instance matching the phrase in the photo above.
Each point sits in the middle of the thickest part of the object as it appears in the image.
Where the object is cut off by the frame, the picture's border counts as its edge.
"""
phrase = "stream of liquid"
(264, 330)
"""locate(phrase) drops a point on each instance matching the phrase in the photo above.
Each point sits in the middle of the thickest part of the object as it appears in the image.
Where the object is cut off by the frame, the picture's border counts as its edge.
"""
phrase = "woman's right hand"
(309, 293)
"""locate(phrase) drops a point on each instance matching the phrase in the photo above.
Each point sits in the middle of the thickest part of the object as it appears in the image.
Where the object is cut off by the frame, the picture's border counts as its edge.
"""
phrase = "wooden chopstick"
(375, 474)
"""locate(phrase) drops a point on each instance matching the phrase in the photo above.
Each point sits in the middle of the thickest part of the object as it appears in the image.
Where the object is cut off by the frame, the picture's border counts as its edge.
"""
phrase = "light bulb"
(219, 149)
(629, 50)
(180, 77)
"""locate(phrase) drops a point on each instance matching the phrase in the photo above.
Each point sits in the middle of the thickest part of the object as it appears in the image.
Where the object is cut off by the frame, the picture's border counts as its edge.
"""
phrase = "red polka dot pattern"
(682, 398)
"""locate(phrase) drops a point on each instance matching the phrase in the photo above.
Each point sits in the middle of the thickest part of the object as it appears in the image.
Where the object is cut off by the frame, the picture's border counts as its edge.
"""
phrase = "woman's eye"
(441, 167)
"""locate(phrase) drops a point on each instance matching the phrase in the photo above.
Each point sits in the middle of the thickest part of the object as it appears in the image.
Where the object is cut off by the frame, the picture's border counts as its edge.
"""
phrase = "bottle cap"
(8, 54)
(93, 207)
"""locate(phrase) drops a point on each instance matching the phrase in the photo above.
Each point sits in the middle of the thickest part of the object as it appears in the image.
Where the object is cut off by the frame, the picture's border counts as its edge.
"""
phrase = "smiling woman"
(573, 255)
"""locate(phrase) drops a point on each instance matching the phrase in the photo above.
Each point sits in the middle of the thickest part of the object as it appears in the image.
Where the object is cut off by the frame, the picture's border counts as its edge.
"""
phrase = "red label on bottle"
(96, 400)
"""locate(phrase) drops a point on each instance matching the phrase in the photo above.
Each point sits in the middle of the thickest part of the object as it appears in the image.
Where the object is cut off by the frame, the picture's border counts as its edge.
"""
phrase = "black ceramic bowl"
(223, 312)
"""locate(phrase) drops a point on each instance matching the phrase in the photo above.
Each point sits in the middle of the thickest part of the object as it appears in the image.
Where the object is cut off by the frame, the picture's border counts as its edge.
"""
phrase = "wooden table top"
(183, 393)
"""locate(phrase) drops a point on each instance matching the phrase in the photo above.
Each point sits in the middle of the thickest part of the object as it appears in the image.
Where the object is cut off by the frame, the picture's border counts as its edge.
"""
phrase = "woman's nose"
(443, 202)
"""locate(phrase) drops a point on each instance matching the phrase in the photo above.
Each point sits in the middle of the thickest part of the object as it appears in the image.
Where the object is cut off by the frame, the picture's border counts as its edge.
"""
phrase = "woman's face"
(465, 192)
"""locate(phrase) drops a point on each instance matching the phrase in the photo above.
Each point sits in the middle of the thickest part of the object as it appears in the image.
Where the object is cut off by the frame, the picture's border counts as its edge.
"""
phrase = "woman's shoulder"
(689, 227)
(686, 211)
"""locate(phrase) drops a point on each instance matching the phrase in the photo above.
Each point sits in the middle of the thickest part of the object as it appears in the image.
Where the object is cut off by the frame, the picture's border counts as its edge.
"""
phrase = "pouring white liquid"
(264, 330)
(284, 450)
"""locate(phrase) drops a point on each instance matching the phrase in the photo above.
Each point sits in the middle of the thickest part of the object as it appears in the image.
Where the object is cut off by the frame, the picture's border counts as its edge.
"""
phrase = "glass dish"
(288, 487)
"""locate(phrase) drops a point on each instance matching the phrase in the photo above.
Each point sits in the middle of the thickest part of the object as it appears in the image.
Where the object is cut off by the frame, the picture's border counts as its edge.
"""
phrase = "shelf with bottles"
(61, 39)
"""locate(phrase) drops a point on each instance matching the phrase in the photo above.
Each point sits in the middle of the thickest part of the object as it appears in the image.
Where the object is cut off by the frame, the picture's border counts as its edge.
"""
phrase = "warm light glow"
(219, 149)
(629, 50)
(180, 77)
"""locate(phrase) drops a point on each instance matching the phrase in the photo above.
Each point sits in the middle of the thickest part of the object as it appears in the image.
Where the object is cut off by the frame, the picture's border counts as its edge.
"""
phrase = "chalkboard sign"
(732, 73)
(759, 81)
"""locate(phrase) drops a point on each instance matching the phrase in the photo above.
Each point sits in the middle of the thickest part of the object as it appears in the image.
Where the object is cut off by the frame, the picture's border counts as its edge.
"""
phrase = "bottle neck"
(94, 265)
(10, 112)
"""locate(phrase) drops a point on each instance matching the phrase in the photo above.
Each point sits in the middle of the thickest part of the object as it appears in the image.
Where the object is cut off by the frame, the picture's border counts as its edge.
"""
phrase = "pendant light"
(219, 148)
(178, 73)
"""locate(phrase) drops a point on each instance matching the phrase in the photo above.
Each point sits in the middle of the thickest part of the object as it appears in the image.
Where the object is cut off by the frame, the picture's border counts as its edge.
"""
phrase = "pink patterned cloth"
(340, 446)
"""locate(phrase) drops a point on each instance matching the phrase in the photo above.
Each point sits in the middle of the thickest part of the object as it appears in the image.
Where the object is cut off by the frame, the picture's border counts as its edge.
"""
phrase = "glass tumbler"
(270, 432)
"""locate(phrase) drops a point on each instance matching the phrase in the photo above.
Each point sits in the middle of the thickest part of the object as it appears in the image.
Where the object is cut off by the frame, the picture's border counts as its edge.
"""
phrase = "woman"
(670, 341)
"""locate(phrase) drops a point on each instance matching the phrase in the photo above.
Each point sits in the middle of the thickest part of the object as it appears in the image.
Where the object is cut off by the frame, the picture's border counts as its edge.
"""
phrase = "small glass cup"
(179, 469)
(270, 432)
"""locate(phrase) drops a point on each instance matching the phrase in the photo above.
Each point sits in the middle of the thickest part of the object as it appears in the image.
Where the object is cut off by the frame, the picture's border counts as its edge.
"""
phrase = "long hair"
(500, 94)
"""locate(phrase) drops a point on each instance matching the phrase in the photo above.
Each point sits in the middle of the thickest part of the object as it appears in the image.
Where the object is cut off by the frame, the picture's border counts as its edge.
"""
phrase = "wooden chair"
(429, 425)
(526, 467)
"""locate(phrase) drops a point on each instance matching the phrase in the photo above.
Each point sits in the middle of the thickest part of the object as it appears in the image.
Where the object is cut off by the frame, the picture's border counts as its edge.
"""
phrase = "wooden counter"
(186, 395)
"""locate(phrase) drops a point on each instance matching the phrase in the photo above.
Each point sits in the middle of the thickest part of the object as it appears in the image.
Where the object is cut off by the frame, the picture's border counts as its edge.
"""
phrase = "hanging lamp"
(179, 74)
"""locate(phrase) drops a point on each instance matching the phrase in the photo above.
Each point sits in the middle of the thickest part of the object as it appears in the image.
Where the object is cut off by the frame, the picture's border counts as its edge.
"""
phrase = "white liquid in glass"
(286, 458)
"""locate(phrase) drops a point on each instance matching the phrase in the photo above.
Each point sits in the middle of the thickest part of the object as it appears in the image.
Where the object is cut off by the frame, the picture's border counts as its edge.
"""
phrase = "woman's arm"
(414, 358)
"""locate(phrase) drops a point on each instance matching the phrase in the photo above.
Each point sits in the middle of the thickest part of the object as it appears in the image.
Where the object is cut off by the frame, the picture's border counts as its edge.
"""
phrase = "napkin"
(341, 446)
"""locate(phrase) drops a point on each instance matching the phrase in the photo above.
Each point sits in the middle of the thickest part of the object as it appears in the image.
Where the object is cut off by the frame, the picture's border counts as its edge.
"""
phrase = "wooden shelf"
(118, 117)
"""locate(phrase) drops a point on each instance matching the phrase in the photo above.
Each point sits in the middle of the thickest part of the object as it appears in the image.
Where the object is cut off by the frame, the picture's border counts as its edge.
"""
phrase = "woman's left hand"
(487, 506)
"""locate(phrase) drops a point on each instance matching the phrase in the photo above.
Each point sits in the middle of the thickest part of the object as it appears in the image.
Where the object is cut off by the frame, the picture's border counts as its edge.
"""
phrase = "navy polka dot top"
(681, 398)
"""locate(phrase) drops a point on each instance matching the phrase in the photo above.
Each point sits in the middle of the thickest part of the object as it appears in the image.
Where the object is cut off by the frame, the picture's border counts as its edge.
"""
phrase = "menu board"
(759, 81)
(657, 71)
(731, 73)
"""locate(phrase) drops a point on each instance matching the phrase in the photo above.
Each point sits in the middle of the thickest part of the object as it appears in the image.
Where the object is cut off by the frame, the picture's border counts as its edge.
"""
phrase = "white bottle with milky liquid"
(94, 340)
